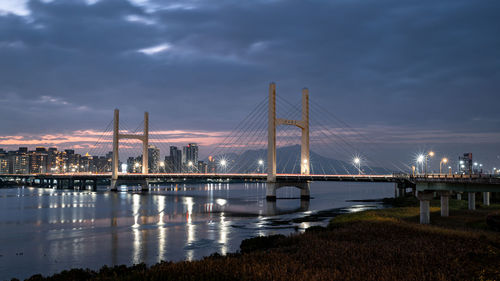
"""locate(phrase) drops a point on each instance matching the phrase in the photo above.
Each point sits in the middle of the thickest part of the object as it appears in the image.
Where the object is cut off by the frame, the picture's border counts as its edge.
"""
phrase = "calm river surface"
(47, 230)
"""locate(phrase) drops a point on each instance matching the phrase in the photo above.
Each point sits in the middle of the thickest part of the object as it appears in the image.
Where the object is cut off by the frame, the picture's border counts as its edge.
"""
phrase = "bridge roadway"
(210, 177)
(423, 182)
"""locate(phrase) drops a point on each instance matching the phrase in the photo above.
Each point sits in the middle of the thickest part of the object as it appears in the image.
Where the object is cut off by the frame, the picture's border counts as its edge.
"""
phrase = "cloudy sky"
(410, 75)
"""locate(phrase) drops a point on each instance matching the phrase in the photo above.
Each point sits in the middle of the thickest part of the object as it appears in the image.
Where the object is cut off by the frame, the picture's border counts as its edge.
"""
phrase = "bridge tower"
(303, 124)
(116, 143)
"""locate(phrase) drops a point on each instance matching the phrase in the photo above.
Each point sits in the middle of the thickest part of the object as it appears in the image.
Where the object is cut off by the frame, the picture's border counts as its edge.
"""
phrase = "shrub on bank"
(493, 221)
(260, 243)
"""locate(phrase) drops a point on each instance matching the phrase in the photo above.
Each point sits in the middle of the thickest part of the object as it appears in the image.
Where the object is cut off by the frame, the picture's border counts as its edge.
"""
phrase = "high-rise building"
(52, 159)
(190, 157)
(4, 164)
(465, 164)
(38, 161)
(176, 156)
(169, 164)
(153, 159)
(19, 164)
(134, 164)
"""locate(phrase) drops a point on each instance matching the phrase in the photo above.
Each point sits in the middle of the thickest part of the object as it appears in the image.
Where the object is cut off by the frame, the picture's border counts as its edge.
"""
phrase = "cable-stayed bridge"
(251, 153)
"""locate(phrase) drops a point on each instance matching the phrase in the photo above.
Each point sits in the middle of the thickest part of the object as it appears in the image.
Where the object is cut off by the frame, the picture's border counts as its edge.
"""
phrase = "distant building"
(465, 164)
(202, 167)
(19, 164)
(212, 165)
(51, 159)
(176, 159)
(4, 164)
(190, 157)
(169, 164)
(153, 159)
(38, 161)
(134, 164)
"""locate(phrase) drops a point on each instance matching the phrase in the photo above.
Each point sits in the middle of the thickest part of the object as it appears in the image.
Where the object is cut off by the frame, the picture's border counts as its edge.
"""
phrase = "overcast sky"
(411, 75)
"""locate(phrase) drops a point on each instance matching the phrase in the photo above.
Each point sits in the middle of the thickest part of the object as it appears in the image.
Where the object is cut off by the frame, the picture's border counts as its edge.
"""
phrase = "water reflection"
(58, 229)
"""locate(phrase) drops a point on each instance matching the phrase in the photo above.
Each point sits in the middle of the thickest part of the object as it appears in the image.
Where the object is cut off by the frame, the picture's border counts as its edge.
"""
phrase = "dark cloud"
(423, 64)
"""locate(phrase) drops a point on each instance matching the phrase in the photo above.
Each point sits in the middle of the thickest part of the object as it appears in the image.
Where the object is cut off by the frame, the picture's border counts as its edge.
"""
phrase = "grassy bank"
(386, 244)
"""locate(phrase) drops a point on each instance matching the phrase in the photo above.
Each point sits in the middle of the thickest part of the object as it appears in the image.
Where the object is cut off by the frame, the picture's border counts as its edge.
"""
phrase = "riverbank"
(384, 244)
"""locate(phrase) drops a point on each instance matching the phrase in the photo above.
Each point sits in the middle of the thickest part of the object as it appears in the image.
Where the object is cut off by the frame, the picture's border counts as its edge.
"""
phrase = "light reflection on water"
(47, 230)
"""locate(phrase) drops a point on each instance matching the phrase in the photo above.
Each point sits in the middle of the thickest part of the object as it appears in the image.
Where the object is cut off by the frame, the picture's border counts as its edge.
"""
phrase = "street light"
(444, 160)
(420, 160)
(223, 163)
(261, 165)
(430, 154)
(357, 164)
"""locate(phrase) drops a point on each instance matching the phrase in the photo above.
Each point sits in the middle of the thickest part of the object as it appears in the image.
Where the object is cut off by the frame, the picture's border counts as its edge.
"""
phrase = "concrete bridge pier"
(114, 185)
(398, 191)
(271, 191)
(445, 206)
(459, 195)
(144, 185)
(425, 198)
(486, 198)
(472, 200)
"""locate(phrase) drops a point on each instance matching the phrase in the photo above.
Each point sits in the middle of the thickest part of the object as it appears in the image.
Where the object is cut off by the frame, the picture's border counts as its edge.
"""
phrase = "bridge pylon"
(303, 124)
(116, 143)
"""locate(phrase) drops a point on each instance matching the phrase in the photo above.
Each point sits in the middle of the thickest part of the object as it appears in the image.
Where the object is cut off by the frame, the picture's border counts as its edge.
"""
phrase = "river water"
(48, 230)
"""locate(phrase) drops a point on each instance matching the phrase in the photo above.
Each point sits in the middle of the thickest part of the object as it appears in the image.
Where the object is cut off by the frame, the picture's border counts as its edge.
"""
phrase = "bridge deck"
(434, 178)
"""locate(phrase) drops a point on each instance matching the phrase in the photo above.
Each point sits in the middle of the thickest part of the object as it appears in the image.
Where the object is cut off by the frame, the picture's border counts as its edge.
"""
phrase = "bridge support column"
(425, 198)
(486, 198)
(116, 158)
(472, 200)
(459, 195)
(445, 206)
(399, 191)
(145, 186)
(271, 191)
(305, 191)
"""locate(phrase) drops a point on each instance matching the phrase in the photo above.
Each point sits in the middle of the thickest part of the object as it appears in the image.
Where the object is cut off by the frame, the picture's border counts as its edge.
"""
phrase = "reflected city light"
(221, 201)
(223, 230)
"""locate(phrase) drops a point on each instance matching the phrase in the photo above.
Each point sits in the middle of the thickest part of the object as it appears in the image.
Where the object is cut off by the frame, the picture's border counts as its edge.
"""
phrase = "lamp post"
(261, 165)
(357, 164)
(420, 160)
(223, 164)
(430, 154)
(443, 161)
